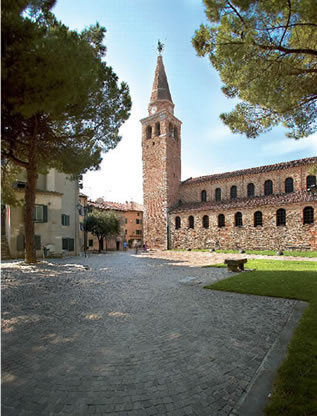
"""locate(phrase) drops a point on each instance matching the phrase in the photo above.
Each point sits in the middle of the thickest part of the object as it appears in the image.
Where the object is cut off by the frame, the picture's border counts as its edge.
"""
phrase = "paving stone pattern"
(128, 337)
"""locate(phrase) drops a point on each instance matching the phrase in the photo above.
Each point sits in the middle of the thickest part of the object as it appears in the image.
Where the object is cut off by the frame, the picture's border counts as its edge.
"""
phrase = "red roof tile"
(252, 171)
(116, 206)
(255, 202)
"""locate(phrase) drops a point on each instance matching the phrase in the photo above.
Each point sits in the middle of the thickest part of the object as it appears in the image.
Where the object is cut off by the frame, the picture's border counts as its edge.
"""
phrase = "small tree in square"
(103, 224)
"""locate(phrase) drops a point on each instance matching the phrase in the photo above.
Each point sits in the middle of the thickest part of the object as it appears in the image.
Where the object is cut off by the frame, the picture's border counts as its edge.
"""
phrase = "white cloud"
(285, 146)
(217, 133)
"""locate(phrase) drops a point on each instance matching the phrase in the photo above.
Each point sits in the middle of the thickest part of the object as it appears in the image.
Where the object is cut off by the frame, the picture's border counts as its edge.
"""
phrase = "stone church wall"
(294, 235)
(191, 191)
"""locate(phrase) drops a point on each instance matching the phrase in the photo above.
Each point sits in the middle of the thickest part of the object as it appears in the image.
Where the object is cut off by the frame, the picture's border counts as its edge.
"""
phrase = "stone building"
(267, 207)
(131, 217)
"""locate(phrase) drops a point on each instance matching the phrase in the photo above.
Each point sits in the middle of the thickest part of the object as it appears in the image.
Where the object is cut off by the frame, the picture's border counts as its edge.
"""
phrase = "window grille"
(238, 219)
(268, 187)
(258, 218)
(221, 220)
(281, 217)
(308, 215)
(218, 194)
(289, 185)
(250, 190)
(310, 181)
(205, 221)
(233, 192)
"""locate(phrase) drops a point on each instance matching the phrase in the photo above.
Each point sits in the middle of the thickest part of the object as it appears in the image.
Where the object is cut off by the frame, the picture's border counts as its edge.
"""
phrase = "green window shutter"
(65, 219)
(20, 242)
(45, 213)
(71, 244)
(37, 242)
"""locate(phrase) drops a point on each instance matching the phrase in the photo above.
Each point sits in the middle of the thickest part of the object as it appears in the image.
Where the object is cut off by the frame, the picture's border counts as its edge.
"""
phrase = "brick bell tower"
(161, 156)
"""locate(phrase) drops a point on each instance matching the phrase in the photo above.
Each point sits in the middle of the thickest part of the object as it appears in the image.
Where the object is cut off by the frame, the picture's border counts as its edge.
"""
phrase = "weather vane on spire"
(160, 47)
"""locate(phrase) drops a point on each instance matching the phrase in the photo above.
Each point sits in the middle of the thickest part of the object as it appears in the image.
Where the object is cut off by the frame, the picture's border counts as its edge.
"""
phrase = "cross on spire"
(160, 47)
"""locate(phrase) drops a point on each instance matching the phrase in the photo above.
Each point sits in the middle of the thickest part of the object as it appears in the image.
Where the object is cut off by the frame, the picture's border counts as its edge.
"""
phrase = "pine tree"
(62, 105)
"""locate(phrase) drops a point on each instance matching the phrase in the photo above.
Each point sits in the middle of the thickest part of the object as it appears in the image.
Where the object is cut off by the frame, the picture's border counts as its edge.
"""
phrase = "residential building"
(131, 217)
(55, 216)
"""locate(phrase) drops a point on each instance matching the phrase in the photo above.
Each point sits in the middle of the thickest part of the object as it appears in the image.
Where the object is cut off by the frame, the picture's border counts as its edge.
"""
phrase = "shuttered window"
(68, 244)
(40, 213)
(65, 219)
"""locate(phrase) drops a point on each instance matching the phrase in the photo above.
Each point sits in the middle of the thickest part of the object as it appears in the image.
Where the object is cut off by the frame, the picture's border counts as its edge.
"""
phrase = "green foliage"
(9, 173)
(295, 388)
(103, 224)
(62, 106)
(58, 91)
(265, 52)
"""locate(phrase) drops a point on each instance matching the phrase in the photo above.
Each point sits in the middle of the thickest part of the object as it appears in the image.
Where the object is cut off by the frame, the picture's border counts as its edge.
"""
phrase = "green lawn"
(265, 252)
(295, 388)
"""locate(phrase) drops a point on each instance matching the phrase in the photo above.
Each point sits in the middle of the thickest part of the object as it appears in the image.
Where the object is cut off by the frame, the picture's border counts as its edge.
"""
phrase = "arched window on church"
(205, 221)
(175, 133)
(308, 215)
(289, 185)
(310, 181)
(238, 219)
(157, 129)
(218, 194)
(233, 192)
(190, 221)
(148, 132)
(281, 217)
(203, 196)
(258, 218)
(177, 223)
(221, 220)
(250, 190)
(268, 187)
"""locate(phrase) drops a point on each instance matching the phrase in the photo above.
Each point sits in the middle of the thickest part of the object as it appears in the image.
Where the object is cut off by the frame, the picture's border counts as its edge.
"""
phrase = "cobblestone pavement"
(131, 335)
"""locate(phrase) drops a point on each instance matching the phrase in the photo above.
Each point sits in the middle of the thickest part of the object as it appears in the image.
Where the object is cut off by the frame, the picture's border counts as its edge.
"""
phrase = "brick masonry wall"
(192, 192)
(161, 176)
(269, 236)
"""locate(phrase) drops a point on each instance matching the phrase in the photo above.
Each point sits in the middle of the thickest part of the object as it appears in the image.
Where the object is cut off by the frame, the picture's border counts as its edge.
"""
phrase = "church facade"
(271, 207)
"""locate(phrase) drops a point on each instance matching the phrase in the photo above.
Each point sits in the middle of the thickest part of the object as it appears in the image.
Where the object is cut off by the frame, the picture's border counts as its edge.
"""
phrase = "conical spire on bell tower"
(161, 98)
(161, 156)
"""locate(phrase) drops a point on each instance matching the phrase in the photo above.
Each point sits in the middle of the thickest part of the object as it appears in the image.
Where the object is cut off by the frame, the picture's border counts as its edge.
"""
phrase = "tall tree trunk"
(31, 174)
(100, 244)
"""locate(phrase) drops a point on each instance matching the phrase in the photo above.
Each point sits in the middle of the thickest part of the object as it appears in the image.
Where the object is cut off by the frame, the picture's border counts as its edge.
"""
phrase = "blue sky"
(133, 29)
